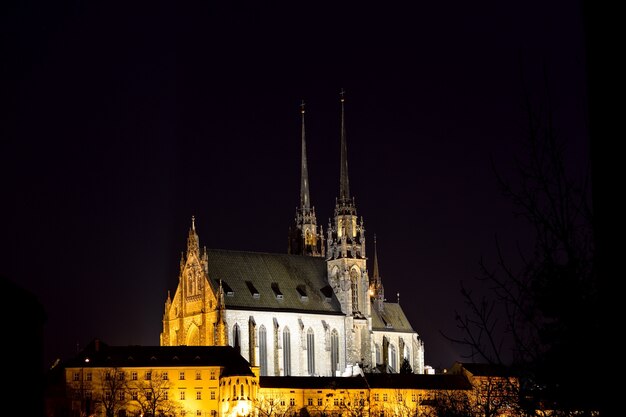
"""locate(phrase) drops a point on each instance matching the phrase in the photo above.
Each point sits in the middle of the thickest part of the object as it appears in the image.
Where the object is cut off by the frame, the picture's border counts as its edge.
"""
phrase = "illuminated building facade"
(216, 381)
(129, 381)
(313, 311)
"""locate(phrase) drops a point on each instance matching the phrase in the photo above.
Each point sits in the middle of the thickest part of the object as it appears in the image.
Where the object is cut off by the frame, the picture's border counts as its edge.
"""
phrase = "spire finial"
(193, 223)
(304, 171)
(344, 188)
(376, 275)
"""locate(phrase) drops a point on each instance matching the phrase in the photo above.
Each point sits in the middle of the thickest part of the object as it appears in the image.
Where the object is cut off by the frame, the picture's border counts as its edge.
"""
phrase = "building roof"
(381, 381)
(392, 318)
(272, 282)
(100, 355)
(304, 382)
(418, 381)
(482, 369)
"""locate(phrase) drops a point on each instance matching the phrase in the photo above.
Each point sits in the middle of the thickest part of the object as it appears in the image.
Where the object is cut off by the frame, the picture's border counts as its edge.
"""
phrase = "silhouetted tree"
(110, 391)
(150, 395)
(405, 367)
(547, 307)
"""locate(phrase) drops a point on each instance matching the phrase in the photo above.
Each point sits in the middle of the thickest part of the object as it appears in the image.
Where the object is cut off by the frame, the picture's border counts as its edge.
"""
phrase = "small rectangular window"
(76, 376)
(198, 395)
(181, 375)
(182, 395)
(212, 394)
(165, 376)
(134, 376)
(198, 375)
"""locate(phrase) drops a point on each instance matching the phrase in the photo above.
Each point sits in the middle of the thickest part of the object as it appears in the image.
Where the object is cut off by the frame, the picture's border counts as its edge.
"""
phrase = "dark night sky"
(118, 123)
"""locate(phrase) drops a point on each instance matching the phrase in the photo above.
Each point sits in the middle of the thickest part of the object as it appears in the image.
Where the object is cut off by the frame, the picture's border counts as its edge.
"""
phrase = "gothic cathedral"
(314, 311)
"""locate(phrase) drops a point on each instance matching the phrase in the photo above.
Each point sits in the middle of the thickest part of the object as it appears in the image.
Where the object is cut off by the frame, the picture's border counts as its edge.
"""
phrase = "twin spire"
(304, 175)
(344, 185)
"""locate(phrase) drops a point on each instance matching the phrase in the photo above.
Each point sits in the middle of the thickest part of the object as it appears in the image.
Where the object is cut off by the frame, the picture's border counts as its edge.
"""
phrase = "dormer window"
(302, 292)
(327, 292)
(253, 290)
(277, 292)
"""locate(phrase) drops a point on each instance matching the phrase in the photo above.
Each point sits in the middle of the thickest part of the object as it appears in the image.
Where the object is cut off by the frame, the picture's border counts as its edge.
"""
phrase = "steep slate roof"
(392, 318)
(300, 280)
(418, 381)
(100, 355)
(322, 382)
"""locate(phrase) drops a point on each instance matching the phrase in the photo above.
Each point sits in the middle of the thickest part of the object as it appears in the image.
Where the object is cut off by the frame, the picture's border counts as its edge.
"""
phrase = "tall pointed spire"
(344, 186)
(376, 275)
(377, 291)
(304, 238)
(304, 173)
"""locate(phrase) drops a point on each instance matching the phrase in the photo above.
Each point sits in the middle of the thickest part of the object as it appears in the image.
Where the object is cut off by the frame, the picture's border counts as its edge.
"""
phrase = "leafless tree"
(111, 390)
(353, 404)
(273, 405)
(539, 302)
(150, 395)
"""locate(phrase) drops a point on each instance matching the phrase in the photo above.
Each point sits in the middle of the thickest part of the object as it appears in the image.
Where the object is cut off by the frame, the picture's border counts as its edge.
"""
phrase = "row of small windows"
(134, 395)
(376, 397)
(134, 375)
(212, 413)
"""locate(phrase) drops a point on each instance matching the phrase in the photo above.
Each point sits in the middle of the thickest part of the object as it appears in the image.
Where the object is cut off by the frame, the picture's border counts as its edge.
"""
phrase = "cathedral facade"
(313, 311)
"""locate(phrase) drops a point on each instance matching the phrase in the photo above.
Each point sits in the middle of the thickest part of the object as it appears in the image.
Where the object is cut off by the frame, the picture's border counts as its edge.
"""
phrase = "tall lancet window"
(286, 352)
(263, 350)
(354, 280)
(378, 358)
(334, 352)
(310, 352)
(237, 338)
(393, 357)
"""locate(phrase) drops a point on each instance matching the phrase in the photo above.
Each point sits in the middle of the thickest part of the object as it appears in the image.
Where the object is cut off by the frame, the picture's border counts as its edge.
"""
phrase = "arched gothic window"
(237, 338)
(393, 358)
(354, 282)
(334, 352)
(310, 352)
(286, 351)
(263, 350)
(378, 358)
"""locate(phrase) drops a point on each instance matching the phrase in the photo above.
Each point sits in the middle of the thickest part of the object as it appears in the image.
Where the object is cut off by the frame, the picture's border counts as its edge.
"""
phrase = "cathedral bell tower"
(346, 262)
(304, 238)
